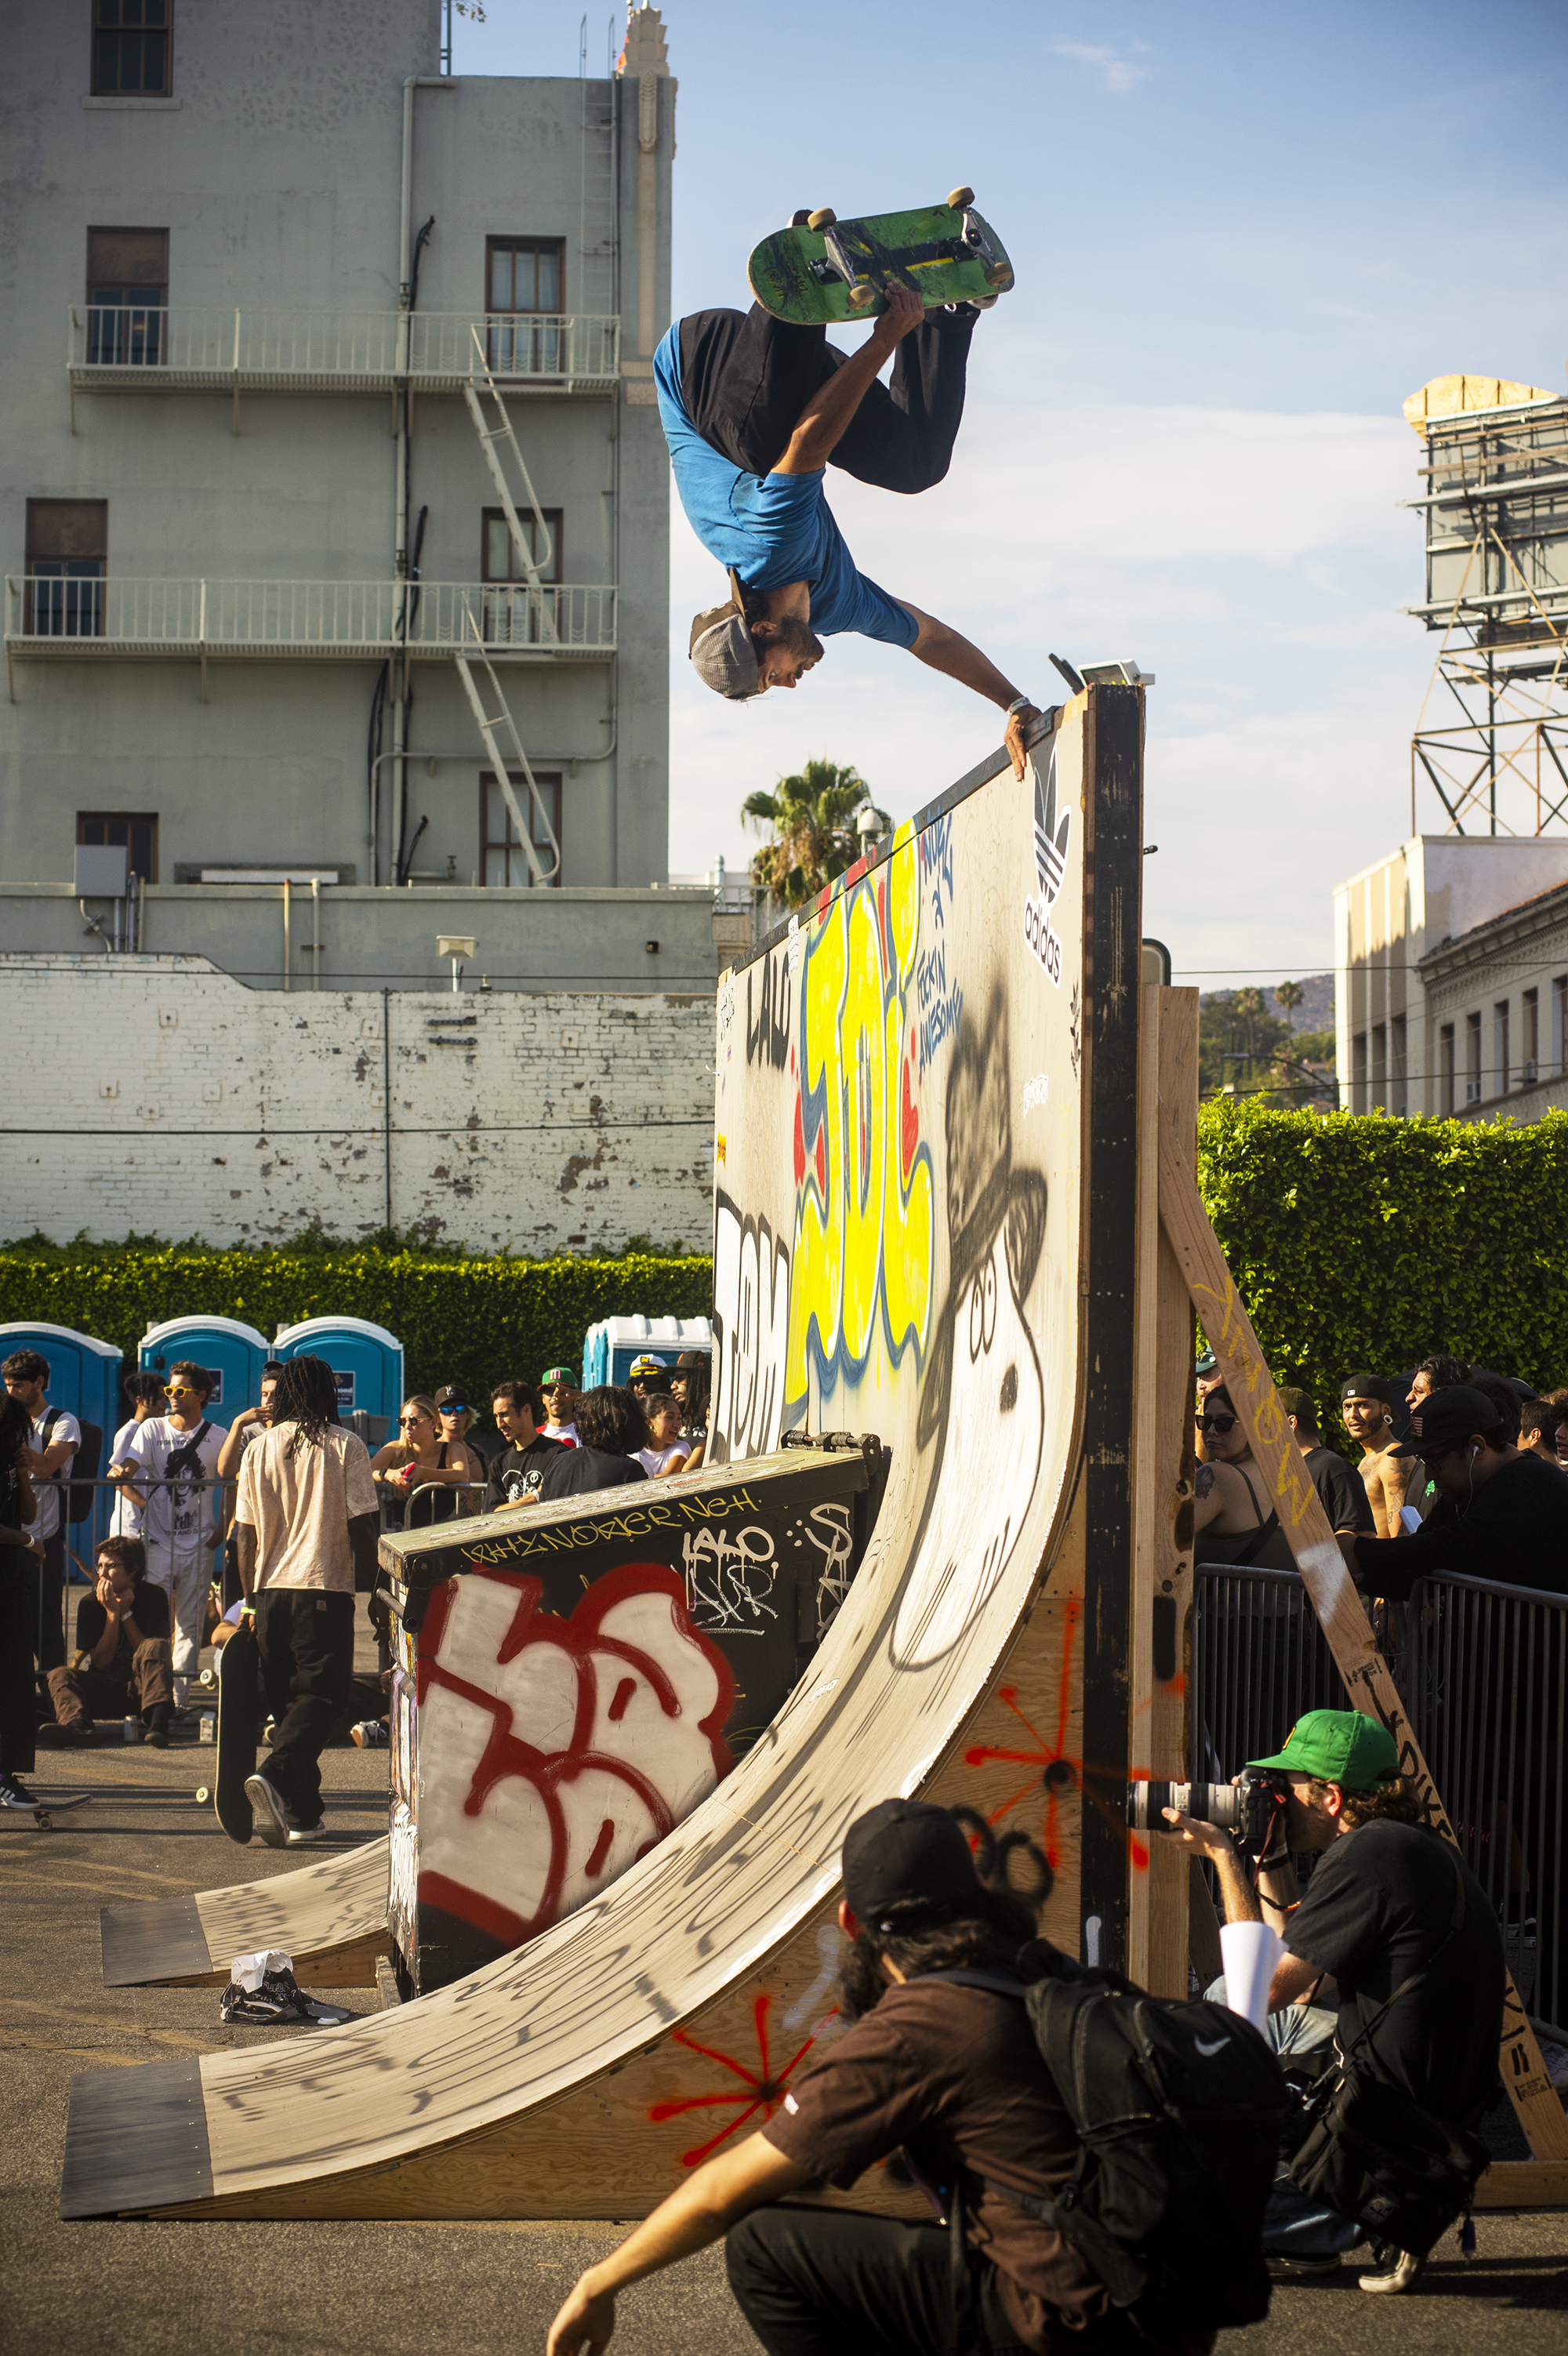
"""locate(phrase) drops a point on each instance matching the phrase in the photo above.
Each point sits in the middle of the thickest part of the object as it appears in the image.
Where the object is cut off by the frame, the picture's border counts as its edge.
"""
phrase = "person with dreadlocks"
(306, 1513)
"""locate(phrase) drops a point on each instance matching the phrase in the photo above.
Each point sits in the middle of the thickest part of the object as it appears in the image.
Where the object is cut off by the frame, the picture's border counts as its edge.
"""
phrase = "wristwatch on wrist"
(1020, 704)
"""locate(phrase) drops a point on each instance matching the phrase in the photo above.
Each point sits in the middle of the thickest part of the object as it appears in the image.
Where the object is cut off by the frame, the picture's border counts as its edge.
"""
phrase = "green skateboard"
(824, 271)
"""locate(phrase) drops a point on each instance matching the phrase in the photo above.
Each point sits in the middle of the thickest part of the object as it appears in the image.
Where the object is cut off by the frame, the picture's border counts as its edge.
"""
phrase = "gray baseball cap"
(721, 648)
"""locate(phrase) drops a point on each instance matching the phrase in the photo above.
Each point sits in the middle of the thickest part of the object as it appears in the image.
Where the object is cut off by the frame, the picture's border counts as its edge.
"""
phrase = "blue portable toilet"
(366, 1359)
(232, 1353)
(612, 1347)
(84, 1380)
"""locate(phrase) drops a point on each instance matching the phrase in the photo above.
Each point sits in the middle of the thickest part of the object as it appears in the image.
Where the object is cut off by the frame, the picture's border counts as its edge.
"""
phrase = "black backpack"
(76, 1494)
(1177, 2107)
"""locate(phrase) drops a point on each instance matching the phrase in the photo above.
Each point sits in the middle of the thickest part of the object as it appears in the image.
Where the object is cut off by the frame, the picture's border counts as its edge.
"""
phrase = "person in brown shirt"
(952, 2075)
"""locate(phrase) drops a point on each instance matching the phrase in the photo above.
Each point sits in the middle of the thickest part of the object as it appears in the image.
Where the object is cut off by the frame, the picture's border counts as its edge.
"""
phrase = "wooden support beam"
(1162, 1491)
(1328, 1582)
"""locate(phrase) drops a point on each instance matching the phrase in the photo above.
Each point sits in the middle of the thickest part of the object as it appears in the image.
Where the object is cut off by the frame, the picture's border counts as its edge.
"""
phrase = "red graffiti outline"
(507, 1754)
(766, 2090)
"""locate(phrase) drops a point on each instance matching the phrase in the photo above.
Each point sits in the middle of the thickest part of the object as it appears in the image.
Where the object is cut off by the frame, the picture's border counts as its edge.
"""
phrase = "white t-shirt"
(655, 1460)
(179, 1517)
(46, 1521)
(300, 1507)
(125, 1522)
(566, 1433)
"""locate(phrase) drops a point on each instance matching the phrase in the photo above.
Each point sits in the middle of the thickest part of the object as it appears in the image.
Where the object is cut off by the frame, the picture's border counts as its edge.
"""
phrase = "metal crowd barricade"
(470, 1495)
(1483, 1671)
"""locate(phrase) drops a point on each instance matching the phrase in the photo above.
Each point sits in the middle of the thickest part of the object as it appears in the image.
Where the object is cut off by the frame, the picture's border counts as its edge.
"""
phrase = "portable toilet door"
(366, 1359)
(84, 1380)
(232, 1353)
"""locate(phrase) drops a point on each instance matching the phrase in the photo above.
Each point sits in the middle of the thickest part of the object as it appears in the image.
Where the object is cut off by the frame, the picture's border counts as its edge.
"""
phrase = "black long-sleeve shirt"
(1514, 1530)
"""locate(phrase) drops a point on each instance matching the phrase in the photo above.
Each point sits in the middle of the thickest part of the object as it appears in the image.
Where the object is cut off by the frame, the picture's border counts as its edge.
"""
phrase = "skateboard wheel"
(999, 275)
(43, 1820)
(959, 198)
(799, 219)
(859, 297)
(202, 1793)
(822, 219)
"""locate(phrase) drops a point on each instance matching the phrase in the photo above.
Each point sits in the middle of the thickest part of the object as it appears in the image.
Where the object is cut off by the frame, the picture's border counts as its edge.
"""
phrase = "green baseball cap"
(553, 1374)
(1339, 1746)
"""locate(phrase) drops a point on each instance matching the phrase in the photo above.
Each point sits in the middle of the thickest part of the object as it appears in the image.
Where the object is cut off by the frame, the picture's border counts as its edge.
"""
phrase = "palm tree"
(1289, 994)
(1248, 1005)
(814, 837)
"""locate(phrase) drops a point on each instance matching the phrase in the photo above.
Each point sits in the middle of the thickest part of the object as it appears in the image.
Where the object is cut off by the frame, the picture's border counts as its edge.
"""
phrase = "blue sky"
(1241, 237)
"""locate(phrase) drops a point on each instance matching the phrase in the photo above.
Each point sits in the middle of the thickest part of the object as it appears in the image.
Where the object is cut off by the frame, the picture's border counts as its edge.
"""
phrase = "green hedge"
(471, 1322)
(1358, 1241)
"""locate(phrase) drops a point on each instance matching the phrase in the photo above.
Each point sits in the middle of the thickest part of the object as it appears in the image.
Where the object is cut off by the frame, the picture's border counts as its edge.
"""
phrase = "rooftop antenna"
(583, 49)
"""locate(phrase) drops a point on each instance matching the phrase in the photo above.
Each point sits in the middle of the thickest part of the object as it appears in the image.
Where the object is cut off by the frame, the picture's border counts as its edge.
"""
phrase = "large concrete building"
(266, 273)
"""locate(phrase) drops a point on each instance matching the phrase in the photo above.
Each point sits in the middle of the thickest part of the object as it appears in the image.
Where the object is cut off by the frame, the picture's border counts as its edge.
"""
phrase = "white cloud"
(1118, 71)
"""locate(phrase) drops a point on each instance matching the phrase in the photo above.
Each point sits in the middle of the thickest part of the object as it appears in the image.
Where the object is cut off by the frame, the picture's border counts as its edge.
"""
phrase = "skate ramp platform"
(330, 1916)
(907, 1082)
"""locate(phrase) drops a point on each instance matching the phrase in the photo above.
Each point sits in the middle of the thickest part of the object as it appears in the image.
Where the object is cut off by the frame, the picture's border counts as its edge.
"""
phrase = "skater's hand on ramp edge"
(956, 656)
(701, 2211)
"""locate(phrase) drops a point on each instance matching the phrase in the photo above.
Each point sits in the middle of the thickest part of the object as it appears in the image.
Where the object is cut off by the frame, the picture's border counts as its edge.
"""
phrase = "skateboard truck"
(868, 268)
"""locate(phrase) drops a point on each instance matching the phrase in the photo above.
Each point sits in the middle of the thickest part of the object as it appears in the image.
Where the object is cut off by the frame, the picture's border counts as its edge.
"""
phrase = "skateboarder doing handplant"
(755, 408)
(306, 1513)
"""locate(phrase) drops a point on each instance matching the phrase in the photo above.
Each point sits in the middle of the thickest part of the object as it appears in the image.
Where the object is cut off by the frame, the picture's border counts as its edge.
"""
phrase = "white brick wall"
(159, 1096)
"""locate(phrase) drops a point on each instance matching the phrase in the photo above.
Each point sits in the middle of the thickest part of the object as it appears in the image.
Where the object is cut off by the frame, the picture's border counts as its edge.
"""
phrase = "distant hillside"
(1315, 1012)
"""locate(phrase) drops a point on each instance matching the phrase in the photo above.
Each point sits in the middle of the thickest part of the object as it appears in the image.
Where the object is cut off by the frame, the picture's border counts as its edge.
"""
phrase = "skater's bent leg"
(903, 434)
(745, 379)
(825, 2282)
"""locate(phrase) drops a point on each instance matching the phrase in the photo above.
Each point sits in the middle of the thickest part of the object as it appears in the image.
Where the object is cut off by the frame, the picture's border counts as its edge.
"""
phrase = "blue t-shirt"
(771, 527)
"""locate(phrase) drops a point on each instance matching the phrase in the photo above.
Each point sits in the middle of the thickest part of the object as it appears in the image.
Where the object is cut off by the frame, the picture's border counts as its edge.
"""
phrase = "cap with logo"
(721, 649)
(691, 1361)
(1366, 1385)
(553, 1374)
(449, 1397)
(906, 1852)
(1339, 1746)
(648, 1365)
(1446, 1418)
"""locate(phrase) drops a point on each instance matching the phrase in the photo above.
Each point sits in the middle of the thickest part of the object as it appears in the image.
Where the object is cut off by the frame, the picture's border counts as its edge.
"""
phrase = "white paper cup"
(1251, 1951)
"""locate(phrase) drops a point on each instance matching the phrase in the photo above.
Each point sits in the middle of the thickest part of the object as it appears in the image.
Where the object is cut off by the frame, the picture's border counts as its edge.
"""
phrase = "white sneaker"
(370, 1734)
(299, 1833)
(267, 1810)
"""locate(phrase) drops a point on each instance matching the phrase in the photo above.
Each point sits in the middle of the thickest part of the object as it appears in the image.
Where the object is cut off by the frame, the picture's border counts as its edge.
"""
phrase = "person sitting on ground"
(609, 1433)
(457, 1421)
(306, 1519)
(1234, 1514)
(143, 1394)
(666, 1452)
(515, 1476)
(1499, 1516)
(1540, 1427)
(558, 1387)
(950, 2073)
(1339, 1492)
(168, 1466)
(1378, 1917)
(406, 1467)
(21, 1559)
(124, 1661)
(1366, 1404)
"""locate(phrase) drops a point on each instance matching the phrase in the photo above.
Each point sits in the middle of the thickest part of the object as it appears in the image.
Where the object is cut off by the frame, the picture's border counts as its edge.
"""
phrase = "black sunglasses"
(1220, 1423)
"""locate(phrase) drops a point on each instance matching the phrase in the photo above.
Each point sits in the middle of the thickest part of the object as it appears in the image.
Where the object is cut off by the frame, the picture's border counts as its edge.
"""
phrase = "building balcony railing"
(217, 350)
(76, 620)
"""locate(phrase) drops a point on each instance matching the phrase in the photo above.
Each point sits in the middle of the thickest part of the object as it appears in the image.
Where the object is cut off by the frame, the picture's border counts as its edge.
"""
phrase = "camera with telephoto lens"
(1250, 1811)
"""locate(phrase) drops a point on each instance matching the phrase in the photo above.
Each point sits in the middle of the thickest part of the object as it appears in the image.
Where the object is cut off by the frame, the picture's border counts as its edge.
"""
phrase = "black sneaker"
(268, 1814)
(286, 1989)
(268, 2006)
(13, 1793)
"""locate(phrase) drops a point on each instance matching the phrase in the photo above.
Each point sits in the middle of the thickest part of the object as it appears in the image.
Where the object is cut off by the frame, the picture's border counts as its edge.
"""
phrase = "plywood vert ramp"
(901, 1247)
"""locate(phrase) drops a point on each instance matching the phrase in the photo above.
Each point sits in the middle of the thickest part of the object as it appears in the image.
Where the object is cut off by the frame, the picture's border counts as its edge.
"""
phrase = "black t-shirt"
(1377, 1910)
(1515, 1530)
(149, 1610)
(1342, 1491)
(578, 1469)
(519, 1473)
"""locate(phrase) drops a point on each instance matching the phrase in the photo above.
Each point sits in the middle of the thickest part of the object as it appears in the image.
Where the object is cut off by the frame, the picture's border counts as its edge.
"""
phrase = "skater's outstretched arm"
(947, 651)
(825, 418)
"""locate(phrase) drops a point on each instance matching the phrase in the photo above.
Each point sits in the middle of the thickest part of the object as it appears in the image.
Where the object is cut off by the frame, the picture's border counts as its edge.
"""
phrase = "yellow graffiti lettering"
(865, 1129)
(1270, 1420)
(816, 1272)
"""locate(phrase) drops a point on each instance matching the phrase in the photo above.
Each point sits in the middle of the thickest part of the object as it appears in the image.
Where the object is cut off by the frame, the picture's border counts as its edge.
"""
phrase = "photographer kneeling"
(1395, 1919)
(949, 2073)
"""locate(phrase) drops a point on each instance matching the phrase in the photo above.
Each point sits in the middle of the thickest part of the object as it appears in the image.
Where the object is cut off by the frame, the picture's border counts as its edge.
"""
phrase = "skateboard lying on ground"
(237, 1664)
(825, 269)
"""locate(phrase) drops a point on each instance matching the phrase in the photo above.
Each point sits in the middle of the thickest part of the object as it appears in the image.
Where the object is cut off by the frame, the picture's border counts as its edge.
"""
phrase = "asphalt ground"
(258, 2289)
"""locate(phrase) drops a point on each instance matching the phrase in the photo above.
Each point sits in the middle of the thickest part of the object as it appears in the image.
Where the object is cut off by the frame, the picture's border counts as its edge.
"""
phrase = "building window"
(502, 858)
(1502, 1058)
(137, 830)
(130, 48)
(1530, 1037)
(1358, 1072)
(1560, 1022)
(67, 547)
(526, 276)
(1380, 1062)
(127, 289)
(1473, 1058)
(513, 617)
(1445, 1067)
(1398, 1065)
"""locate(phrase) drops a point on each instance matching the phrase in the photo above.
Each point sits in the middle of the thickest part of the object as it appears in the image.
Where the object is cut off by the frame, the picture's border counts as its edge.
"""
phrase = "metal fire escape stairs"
(497, 728)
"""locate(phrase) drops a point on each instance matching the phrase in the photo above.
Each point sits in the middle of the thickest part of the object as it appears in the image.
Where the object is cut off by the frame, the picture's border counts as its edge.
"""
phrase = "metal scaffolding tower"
(1492, 736)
